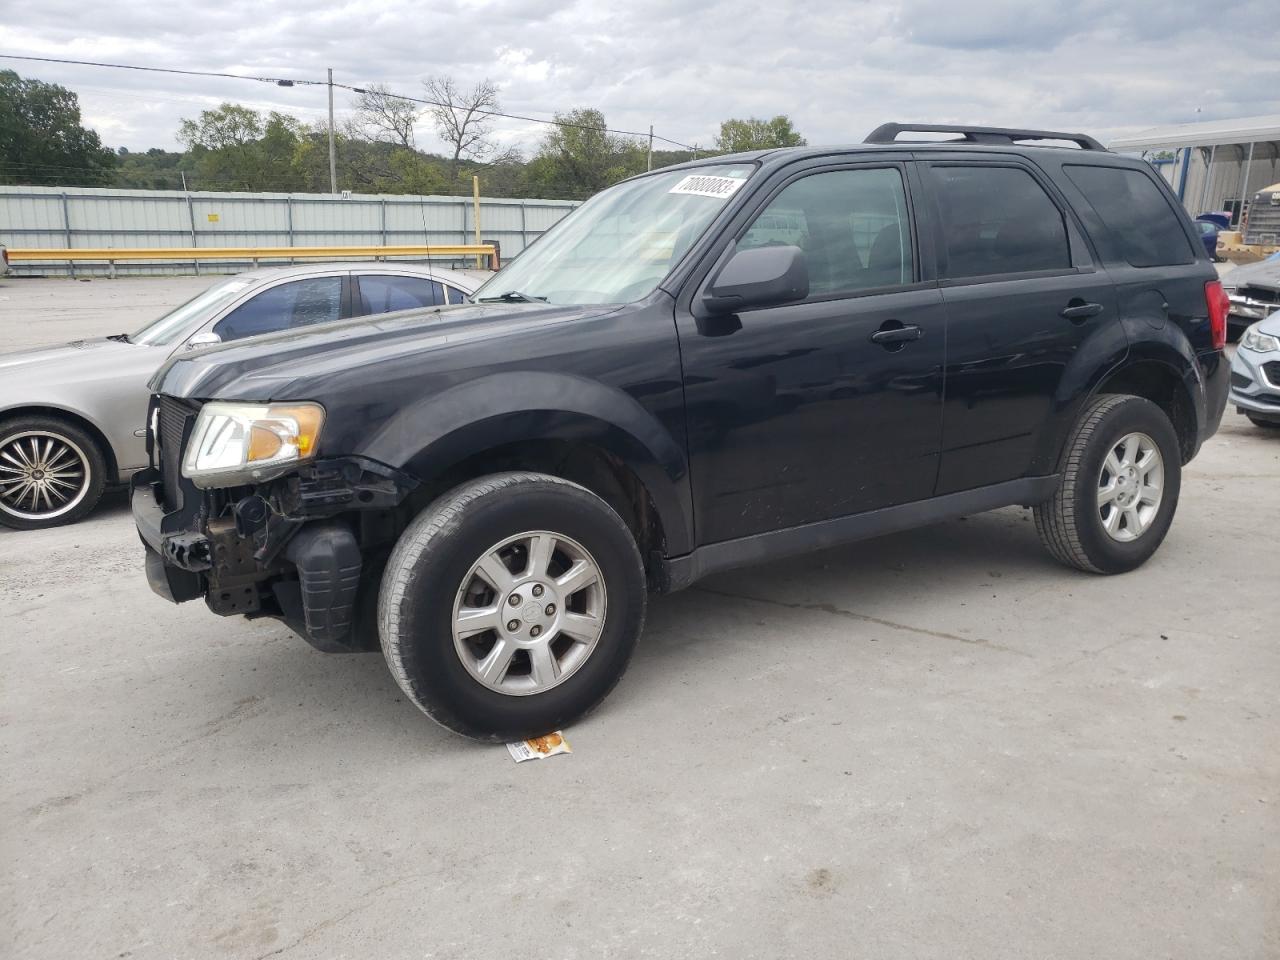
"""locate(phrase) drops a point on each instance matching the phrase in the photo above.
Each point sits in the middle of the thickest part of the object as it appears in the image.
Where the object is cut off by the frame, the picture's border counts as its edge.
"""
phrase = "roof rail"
(888, 133)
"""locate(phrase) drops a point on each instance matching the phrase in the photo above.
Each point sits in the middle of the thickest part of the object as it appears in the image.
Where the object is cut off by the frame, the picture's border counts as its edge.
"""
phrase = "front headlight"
(1259, 342)
(236, 443)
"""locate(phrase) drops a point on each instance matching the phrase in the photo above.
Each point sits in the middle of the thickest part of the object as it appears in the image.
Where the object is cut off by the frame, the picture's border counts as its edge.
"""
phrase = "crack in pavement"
(864, 618)
(365, 900)
(241, 710)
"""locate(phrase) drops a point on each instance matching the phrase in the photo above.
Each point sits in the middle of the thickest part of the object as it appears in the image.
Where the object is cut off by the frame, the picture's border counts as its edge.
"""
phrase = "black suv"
(710, 365)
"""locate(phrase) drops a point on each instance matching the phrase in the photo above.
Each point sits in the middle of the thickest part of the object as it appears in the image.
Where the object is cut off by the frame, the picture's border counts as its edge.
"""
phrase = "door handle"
(1078, 309)
(898, 334)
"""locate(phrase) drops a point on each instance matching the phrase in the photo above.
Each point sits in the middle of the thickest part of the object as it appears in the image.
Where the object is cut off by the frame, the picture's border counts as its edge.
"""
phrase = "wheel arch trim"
(428, 437)
(77, 418)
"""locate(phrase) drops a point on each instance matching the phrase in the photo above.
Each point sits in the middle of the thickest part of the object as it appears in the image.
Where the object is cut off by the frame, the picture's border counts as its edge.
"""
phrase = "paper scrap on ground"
(539, 748)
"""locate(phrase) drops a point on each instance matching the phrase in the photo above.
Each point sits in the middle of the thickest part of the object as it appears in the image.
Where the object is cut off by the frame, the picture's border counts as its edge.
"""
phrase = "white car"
(72, 417)
(1255, 373)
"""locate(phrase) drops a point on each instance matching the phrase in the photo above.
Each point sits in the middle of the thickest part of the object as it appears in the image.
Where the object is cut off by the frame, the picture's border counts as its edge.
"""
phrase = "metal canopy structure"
(1216, 164)
(1207, 134)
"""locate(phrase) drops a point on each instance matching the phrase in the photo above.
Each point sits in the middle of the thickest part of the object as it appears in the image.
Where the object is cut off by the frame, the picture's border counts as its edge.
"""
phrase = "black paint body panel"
(779, 419)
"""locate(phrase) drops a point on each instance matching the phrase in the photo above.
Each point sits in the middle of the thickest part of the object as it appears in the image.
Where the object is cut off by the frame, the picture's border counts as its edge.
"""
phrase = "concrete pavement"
(934, 745)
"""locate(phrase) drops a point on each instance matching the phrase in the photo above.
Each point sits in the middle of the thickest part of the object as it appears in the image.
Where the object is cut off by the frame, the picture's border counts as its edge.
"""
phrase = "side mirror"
(203, 340)
(758, 277)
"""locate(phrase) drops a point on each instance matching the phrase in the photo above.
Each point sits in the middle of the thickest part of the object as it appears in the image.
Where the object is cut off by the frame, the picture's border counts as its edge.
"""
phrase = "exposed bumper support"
(328, 561)
(167, 572)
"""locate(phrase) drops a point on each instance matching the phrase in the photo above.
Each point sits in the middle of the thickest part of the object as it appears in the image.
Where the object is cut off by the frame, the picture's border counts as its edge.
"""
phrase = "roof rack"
(888, 133)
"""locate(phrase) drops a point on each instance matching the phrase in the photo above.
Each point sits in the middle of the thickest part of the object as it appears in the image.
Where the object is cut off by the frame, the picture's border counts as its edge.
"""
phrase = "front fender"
(426, 437)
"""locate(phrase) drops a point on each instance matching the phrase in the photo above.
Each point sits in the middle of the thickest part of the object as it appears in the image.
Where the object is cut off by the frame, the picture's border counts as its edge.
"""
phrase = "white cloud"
(1102, 66)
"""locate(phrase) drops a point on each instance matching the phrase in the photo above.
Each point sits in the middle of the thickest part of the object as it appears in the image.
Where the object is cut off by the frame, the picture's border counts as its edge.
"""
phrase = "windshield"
(619, 245)
(177, 324)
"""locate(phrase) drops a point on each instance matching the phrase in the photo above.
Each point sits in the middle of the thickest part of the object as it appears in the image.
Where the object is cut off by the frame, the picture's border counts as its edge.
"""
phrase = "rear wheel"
(51, 473)
(511, 606)
(1121, 475)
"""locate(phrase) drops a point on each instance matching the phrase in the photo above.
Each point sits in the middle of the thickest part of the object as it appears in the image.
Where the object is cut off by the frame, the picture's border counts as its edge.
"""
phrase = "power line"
(279, 81)
(288, 82)
(516, 116)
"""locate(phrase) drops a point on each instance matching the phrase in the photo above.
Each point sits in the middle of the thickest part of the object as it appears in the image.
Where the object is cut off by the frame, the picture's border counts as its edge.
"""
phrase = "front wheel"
(1121, 475)
(511, 606)
(51, 472)
(1264, 424)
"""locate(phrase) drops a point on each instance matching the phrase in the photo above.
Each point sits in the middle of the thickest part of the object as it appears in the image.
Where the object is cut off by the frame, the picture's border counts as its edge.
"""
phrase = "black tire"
(89, 475)
(426, 572)
(1070, 523)
(1264, 424)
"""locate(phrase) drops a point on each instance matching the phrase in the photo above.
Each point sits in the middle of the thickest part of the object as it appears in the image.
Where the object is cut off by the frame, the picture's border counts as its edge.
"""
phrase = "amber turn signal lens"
(264, 443)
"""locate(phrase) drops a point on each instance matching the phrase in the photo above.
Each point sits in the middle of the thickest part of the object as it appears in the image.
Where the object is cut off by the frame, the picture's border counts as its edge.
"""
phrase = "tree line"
(233, 147)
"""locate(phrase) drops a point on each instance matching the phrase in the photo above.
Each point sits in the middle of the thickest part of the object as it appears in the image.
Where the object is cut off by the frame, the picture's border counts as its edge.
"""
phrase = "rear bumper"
(1216, 373)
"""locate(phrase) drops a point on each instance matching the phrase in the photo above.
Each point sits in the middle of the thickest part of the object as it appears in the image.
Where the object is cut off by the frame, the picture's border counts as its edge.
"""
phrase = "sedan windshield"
(619, 245)
(182, 322)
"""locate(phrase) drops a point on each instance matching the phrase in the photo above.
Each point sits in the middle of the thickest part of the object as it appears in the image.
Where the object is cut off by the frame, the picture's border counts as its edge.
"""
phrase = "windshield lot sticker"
(702, 186)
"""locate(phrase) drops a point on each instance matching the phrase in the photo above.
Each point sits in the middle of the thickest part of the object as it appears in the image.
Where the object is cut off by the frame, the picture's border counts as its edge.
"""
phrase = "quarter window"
(852, 225)
(998, 220)
(299, 303)
(1136, 214)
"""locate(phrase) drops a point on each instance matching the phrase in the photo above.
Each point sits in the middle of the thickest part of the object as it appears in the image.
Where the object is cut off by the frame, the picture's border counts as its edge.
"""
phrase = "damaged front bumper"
(293, 549)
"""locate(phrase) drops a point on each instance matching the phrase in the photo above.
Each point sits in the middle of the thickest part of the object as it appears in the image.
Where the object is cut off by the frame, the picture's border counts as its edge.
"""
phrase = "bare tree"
(386, 117)
(461, 117)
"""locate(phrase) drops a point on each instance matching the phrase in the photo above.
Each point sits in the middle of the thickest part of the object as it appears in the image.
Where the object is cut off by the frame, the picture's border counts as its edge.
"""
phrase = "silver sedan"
(72, 417)
(1255, 373)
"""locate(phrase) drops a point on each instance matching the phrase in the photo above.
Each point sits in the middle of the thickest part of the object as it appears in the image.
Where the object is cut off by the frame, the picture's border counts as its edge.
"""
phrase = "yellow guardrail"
(112, 254)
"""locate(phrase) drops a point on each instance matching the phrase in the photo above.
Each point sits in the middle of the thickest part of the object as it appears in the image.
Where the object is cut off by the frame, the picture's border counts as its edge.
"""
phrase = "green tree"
(415, 173)
(155, 169)
(235, 148)
(579, 156)
(42, 139)
(754, 134)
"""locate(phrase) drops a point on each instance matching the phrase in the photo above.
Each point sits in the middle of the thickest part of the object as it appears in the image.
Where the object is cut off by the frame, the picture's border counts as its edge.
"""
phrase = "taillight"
(1219, 305)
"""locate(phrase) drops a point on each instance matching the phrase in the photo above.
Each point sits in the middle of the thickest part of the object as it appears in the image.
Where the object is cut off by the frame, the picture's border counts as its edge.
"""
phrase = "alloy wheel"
(529, 613)
(42, 475)
(1130, 487)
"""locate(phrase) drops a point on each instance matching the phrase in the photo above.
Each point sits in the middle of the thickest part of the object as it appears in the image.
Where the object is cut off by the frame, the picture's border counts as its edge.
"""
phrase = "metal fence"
(73, 217)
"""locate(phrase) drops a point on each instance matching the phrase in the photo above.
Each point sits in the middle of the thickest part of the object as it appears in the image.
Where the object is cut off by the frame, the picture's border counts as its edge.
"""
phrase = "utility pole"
(333, 162)
(184, 180)
(475, 199)
(650, 166)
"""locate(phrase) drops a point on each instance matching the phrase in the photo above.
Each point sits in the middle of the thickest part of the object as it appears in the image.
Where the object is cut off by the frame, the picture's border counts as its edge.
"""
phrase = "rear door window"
(384, 293)
(997, 220)
(298, 303)
(1135, 212)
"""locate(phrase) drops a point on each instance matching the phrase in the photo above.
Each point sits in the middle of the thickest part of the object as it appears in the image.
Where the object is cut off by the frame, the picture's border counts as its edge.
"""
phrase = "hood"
(78, 355)
(1263, 273)
(1271, 325)
(264, 368)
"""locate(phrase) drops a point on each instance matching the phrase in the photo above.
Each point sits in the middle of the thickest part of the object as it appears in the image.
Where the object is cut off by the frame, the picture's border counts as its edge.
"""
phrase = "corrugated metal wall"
(1227, 174)
(102, 217)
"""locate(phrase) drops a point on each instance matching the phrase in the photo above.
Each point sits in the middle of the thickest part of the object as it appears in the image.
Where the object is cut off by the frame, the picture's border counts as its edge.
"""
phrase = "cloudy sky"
(837, 68)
